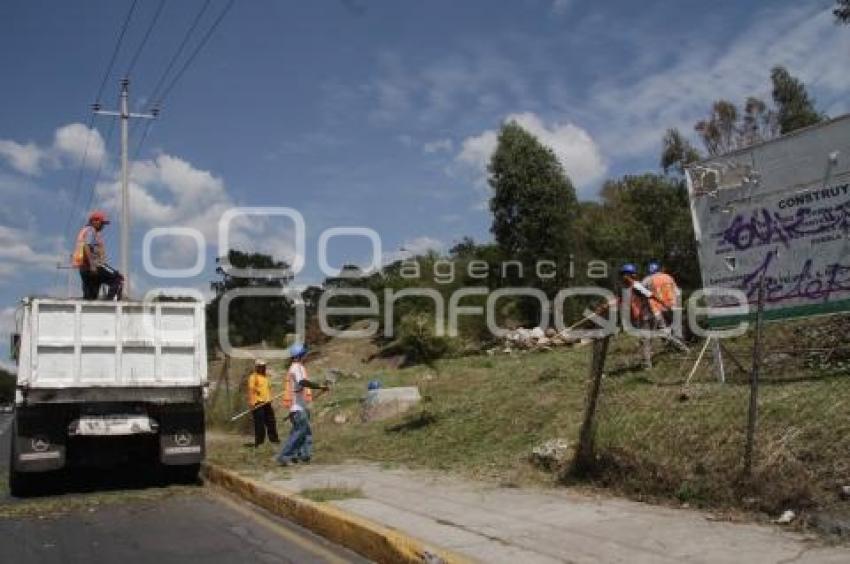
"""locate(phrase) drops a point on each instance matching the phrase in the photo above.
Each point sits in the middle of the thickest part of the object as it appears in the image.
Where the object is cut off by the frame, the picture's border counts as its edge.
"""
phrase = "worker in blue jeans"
(297, 387)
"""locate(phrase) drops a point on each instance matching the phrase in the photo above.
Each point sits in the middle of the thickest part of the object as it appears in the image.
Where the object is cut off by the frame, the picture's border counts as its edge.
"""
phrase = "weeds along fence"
(228, 393)
(652, 435)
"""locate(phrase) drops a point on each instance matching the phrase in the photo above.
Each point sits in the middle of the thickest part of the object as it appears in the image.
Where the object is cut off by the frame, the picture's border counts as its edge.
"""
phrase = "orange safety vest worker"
(639, 295)
(91, 237)
(663, 287)
(289, 388)
(259, 389)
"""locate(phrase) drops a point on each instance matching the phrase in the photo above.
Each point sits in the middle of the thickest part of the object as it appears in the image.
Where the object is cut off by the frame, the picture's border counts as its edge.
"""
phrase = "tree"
(7, 386)
(640, 218)
(251, 320)
(677, 152)
(842, 11)
(793, 107)
(727, 128)
(759, 123)
(534, 204)
(719, 131)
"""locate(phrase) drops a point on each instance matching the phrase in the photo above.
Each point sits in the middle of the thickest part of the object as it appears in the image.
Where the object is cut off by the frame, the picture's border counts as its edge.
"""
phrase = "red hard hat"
(98, 215)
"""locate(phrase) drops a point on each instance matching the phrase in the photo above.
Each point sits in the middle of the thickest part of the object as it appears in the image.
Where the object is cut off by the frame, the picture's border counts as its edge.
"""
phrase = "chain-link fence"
(657, 434)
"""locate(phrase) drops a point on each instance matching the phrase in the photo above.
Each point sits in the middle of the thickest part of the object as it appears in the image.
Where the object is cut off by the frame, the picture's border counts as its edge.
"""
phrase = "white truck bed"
(104, 344)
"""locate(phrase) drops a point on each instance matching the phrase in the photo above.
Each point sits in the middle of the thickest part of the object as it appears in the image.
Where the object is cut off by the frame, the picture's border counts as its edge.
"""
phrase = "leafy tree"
(758, 123)
(719, 132)
(794, 108)
(7, 386)
(842, 11)
(251, 320)
(465, 247)
(677, 152)
(534, 204)
(727, 128)
(641, 218)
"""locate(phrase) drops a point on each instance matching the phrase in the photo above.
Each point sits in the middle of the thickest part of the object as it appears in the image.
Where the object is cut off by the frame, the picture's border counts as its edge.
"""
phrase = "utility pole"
(124, 113)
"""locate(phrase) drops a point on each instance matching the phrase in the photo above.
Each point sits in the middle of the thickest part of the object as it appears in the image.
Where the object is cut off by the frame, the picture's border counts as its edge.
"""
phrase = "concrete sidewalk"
(493, 524)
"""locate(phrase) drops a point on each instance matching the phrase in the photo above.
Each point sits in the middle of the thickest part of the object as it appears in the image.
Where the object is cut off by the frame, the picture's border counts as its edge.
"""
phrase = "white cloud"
(18, 254)
(413, 247)
(476, 151)
(25, 159)
(475, 81)
(633, 114)
(438, 145)
(170, 192)
(573, 146)
(560, 7)
(75, 140)
(69, 146)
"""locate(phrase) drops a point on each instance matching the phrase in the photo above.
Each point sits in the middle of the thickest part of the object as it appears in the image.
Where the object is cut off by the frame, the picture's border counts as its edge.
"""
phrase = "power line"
(196, 51)
(82, 166)
(186, 37)
(147, 35)
(115, 51)
(102, 162)
(119, 41)
(89, 128)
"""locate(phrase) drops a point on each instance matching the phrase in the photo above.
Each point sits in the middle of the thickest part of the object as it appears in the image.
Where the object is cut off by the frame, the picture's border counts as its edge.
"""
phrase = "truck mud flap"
(181, 435)
(39, 441)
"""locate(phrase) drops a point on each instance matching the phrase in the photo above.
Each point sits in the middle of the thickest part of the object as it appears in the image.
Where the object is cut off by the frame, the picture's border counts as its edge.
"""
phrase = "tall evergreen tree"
(793, 106)
(534, 203)
(534, 208)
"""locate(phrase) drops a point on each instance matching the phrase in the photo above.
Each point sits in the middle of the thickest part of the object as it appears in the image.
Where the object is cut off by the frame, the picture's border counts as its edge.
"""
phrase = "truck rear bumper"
(46, 437)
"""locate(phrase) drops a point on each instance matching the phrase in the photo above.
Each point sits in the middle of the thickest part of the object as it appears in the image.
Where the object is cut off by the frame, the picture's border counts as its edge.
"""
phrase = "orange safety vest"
(78, 258)
(637, 306)
(289, 389)
(663, 287)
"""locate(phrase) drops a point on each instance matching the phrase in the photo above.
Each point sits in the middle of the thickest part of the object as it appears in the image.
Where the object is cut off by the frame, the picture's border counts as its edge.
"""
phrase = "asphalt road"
(131, 521)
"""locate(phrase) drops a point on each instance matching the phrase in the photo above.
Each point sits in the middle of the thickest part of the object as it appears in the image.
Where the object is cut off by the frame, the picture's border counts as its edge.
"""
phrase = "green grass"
(331, 493)
(481, 417)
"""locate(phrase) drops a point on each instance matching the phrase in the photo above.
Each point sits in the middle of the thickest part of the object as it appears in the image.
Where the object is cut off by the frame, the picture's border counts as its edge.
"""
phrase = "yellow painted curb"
(372, 540)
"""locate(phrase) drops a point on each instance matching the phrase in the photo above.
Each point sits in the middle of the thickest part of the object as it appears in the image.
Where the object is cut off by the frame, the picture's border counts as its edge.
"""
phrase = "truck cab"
(106, 382)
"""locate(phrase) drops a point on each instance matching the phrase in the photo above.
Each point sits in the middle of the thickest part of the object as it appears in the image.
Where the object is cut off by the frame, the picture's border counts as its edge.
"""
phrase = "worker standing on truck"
(260, 401)
(296, 385)
(90, 258)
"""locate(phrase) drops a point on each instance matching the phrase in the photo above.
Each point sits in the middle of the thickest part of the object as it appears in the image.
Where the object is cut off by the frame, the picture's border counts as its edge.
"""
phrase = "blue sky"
(362, 113)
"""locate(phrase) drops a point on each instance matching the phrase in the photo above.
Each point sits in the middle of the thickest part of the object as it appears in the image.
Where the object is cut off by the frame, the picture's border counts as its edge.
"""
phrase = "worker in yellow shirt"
(259, 399)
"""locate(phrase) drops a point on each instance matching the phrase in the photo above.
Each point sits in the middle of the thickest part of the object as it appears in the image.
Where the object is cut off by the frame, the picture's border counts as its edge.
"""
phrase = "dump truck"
(105, 383)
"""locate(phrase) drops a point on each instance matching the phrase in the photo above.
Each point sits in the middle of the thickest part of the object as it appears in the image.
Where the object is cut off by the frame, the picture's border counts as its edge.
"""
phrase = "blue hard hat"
(297, 350)
(628, 268)
(653, 266)
(374, 385)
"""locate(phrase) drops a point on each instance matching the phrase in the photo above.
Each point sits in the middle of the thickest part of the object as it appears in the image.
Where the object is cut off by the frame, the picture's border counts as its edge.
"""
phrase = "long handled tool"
(259, 405)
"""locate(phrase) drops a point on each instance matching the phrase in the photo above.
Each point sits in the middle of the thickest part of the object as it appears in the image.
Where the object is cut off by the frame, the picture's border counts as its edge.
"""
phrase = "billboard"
(778, 210)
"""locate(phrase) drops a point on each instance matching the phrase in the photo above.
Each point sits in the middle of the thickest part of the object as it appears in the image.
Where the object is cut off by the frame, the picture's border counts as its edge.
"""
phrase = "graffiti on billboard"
(791, 226)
